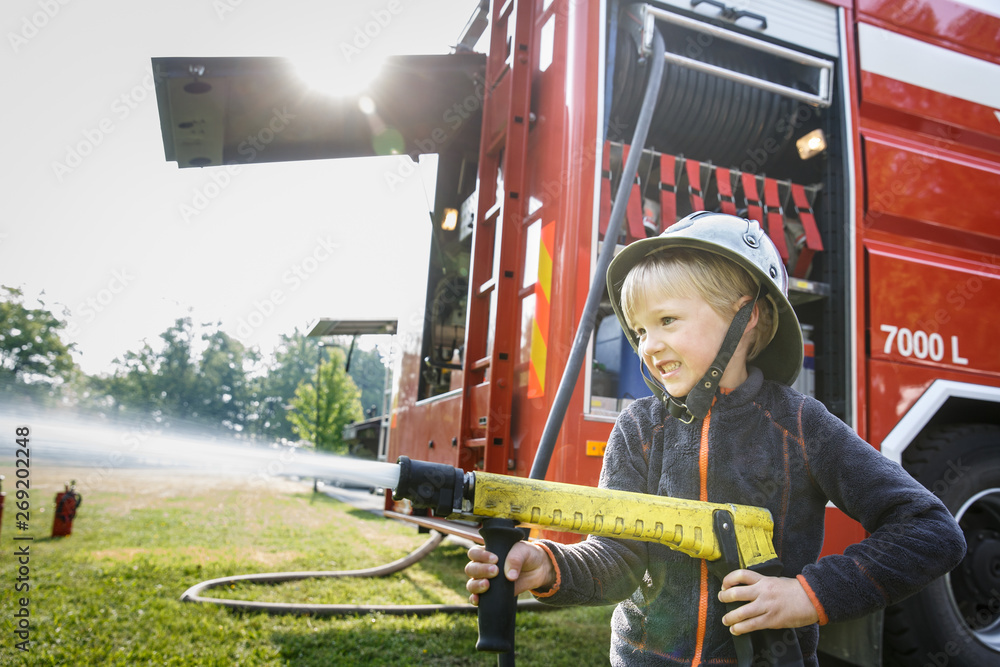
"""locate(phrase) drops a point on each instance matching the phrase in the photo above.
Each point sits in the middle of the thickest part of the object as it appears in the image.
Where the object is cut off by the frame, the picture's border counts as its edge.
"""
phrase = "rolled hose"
(699, 115)
(193, 594)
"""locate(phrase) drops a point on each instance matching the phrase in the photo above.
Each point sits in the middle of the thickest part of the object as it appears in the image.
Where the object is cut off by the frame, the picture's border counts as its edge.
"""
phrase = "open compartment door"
(220, 111)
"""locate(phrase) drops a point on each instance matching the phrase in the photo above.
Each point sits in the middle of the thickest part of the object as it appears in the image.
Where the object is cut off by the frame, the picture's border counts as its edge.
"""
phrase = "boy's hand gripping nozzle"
(728, 536)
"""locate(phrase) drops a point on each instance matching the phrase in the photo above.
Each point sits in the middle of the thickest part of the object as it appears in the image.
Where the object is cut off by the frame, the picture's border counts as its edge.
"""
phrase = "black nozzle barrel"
(435, 486)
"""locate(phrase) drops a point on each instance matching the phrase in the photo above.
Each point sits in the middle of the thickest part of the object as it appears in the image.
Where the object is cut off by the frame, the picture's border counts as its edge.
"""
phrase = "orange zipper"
(703, 496)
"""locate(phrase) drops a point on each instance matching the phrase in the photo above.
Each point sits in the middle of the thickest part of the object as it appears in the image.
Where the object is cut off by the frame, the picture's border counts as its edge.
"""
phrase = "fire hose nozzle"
(436, 486)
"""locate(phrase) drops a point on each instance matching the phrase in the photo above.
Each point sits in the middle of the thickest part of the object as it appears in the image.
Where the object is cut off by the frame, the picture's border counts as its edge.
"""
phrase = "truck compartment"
(756, 133)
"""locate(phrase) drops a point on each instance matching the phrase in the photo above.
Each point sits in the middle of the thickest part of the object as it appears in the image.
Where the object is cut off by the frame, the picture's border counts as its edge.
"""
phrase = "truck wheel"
(955, 621)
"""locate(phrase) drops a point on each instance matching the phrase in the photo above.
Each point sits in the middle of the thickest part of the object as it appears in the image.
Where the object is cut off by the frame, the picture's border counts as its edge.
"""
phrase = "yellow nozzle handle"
(682, 525)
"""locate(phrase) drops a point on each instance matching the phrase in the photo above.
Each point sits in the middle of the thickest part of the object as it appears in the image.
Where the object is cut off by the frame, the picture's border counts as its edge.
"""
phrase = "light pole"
(319, 366)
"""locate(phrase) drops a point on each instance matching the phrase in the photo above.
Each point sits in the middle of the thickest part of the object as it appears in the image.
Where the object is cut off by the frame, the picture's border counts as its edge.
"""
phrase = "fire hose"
(194, 594)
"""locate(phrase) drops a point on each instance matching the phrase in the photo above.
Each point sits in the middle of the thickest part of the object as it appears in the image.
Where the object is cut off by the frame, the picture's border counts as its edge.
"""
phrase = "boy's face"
(679, 338)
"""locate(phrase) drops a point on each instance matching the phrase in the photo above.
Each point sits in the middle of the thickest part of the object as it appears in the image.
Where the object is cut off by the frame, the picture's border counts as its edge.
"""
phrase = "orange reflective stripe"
(540, 327)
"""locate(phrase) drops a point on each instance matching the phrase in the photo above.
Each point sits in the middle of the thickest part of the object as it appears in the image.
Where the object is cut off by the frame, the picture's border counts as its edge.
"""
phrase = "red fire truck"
(864, 135)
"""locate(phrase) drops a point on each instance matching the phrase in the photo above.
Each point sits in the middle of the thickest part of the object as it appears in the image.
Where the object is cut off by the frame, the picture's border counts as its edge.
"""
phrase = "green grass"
(109, 594)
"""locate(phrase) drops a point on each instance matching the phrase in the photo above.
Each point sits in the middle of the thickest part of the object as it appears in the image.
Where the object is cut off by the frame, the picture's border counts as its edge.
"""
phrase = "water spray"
(105, 448)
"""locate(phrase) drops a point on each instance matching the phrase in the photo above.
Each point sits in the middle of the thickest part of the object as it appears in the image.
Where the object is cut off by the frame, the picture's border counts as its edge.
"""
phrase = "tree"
(161, 382)
(33, 358)
(224, 393)
(176, 375)
(368, 372)
(132, 383)
(176, 384)
(228, 385)
(339, 404)
(294, 360)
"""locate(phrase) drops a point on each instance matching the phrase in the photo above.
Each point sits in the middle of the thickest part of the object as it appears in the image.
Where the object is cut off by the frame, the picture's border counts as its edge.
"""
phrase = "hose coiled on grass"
(193, 594)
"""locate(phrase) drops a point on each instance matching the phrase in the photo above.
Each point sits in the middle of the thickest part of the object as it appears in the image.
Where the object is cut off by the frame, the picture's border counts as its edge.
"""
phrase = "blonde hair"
(690, 273)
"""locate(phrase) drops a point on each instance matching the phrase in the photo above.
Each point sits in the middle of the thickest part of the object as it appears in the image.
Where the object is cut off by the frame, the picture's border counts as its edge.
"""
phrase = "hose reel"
(723, 95)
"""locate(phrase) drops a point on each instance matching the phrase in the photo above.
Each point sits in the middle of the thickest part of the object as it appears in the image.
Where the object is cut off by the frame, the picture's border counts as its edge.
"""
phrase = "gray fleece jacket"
(766, 445)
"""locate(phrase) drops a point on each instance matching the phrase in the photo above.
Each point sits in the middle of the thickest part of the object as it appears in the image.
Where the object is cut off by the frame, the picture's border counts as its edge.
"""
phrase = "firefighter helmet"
(744, 242)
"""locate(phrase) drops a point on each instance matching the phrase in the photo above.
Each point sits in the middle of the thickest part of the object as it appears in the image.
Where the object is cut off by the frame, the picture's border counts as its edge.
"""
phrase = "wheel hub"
(982, 563)
(975, 584)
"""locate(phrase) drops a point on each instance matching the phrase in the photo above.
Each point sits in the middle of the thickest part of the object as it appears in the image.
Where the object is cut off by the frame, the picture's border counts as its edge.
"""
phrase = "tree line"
(195, 376)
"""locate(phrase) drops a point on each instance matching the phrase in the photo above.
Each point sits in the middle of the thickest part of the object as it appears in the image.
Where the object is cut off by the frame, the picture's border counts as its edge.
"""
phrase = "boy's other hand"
(528, 566)
(769, 602)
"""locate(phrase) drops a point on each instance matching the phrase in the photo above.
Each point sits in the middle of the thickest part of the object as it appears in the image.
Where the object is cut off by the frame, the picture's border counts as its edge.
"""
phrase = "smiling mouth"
(668, 367)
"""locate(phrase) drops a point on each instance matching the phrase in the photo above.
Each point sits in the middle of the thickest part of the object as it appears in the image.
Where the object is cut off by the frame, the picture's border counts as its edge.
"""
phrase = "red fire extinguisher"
(67, 503)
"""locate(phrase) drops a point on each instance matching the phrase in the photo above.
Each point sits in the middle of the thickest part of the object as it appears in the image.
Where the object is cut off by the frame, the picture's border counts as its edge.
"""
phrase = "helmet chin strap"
(699, 400)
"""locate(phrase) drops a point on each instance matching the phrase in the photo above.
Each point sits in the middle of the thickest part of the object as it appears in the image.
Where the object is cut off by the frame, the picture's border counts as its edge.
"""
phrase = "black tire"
(955, 621)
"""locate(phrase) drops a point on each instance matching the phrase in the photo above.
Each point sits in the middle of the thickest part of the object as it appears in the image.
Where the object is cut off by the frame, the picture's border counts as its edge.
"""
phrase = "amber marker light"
(811, 144)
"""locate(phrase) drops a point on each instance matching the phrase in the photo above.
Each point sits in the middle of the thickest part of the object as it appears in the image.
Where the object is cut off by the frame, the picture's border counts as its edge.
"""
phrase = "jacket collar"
(743, 394)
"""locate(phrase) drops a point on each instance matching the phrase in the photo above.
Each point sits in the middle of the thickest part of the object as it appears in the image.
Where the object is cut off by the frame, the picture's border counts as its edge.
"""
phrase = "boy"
(698, 303)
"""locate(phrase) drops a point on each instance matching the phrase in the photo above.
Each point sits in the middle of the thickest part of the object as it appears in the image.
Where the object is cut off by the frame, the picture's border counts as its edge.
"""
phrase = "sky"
(121, 243)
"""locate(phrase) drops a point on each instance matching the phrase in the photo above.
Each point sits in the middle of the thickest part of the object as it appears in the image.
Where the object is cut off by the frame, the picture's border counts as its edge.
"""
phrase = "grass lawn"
(109, 594)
